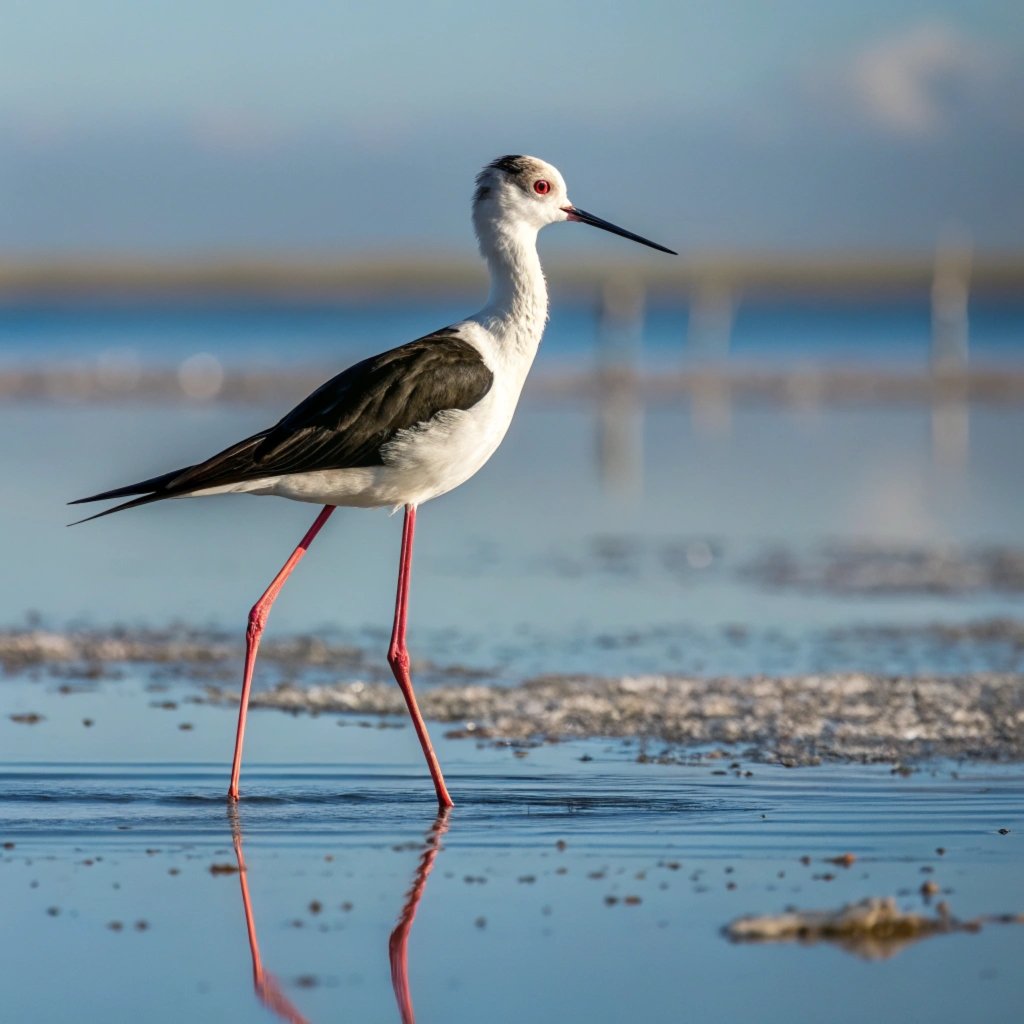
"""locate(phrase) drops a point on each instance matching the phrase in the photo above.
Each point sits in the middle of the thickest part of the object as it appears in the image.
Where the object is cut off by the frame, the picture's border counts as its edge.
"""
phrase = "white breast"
(433, 458)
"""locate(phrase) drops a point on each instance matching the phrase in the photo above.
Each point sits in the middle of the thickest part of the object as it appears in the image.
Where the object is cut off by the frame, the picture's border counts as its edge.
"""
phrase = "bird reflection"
(266, 986)
(398, 945)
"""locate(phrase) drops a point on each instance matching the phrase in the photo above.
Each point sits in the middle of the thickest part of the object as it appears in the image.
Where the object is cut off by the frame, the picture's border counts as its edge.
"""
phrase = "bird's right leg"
(257, 620)
(398, 658)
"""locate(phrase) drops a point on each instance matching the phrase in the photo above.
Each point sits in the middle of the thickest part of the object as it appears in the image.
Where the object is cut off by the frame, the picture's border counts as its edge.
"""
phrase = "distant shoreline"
(764, 276)
(801, 387)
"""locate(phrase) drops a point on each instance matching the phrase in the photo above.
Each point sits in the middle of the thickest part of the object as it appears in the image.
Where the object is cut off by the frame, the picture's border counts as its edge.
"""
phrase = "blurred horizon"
(191, 131)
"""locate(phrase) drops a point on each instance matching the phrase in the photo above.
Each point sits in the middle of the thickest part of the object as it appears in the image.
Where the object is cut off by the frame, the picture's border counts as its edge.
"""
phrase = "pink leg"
(257, 620)
(398, 656)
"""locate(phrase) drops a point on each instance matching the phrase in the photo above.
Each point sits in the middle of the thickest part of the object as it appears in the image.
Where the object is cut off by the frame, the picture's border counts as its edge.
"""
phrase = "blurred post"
(620, 411)
(950, 349)
(709, 336)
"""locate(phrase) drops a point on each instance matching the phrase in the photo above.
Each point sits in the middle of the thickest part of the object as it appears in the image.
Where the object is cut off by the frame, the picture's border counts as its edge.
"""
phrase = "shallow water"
(560, 889)
(513, 570)
(541, 564)
(524, 913)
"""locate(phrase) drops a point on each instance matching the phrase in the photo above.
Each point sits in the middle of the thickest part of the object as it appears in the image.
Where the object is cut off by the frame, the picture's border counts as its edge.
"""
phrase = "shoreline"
(788, 719)
(796, 387)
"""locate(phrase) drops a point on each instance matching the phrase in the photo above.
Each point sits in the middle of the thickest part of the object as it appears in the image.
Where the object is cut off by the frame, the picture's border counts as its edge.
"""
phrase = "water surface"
(557, 889)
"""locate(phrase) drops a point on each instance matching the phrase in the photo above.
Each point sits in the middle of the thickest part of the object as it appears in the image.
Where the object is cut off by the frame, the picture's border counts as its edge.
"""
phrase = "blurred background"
(206, 209)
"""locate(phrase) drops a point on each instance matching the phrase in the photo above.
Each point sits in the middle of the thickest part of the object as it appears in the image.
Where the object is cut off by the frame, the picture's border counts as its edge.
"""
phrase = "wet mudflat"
(575, 881)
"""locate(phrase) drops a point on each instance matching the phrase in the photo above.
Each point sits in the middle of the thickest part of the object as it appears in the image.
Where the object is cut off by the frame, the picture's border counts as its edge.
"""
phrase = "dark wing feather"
(344, 424)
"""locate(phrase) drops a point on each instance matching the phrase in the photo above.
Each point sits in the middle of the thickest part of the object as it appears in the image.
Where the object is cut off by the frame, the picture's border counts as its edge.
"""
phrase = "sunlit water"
(121, 820)
(559, 890)
(510, 571)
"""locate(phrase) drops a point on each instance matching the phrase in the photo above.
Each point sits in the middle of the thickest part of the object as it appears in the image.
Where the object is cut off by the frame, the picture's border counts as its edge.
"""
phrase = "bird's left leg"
(398, 657)
(257, 620)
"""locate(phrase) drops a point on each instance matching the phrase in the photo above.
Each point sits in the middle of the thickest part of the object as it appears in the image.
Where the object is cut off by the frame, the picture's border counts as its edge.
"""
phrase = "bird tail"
(231, 466)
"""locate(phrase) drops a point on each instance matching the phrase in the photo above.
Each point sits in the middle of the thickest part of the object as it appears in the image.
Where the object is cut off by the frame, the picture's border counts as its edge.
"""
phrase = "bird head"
(523, 192)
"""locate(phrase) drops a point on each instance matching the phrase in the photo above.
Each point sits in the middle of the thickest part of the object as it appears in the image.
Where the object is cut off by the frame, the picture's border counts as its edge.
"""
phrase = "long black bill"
(575, 213)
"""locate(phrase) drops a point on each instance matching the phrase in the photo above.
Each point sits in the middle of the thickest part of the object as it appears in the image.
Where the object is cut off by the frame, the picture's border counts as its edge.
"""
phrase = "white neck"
(517, 307)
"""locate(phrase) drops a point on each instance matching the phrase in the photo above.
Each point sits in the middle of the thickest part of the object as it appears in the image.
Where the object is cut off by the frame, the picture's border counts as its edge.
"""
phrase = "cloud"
(912, 83)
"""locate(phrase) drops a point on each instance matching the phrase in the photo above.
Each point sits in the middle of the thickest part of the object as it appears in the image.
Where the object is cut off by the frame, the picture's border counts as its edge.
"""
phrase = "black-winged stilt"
(408, 425)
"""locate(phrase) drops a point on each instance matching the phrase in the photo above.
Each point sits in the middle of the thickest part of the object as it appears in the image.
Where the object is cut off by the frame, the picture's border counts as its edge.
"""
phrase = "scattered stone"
(844, 860)
(27, 718)
(224, 869)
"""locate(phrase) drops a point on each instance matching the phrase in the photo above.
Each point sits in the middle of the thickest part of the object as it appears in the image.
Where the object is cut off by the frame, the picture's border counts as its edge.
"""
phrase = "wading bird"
(408, 425)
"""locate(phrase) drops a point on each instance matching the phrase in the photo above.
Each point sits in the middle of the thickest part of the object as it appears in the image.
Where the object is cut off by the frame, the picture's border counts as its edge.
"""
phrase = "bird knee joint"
(257, 620)
(398, 657)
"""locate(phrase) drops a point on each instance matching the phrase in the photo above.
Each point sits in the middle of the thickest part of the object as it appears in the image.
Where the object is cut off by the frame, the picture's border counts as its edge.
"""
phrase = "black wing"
(344, 424)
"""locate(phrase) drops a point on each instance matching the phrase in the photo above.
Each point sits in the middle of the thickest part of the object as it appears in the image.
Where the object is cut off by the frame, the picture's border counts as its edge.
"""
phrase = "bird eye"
(542, 187)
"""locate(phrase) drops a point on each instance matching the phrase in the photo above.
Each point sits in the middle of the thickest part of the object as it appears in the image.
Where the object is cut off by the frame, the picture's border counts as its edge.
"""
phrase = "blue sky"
(180, 127)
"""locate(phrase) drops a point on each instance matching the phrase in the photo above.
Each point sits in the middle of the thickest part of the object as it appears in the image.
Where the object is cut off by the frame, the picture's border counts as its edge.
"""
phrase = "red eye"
(542, 187)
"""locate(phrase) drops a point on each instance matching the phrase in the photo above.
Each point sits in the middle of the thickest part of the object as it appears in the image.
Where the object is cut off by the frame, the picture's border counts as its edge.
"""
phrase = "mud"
(794, 721)
(874, 929)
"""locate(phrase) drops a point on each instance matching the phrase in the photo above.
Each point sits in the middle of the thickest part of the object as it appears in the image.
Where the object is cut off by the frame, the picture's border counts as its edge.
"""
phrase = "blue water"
(505, 572)
(276, 333)
(113, 912)
(118, 823)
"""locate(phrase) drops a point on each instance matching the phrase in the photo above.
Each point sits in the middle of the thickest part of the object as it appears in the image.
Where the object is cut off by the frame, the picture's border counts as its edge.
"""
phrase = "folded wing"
(344, 424)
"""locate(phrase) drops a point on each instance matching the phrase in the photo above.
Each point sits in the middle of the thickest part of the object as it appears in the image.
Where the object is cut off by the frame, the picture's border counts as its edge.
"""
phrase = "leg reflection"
(398, 946)
(266, 986)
